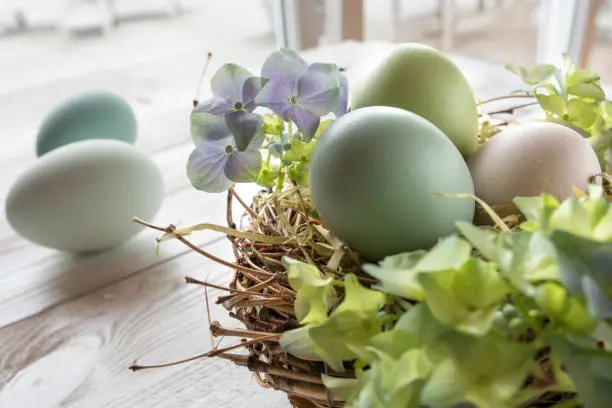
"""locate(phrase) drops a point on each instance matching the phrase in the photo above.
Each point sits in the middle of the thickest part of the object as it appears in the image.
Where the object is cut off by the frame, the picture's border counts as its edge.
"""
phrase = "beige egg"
(531, 159)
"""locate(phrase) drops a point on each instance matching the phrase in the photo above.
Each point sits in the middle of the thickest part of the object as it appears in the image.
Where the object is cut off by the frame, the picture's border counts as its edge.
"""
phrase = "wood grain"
(77, 354)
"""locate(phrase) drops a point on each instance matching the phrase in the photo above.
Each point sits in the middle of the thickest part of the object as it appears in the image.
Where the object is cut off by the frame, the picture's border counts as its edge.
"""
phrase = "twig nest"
(531, 159)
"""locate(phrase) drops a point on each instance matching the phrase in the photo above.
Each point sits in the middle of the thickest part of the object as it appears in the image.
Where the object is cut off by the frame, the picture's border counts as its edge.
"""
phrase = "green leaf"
(467, 297)
(524, 257)
(298, 343)
(582, 113)
(585, 90)
(273, 124)
(300, 151)
(537, 209)
(590, 369)
(322, 127)
(421, 323)
(482, 239)
(279, 145)
(585, 270)
(552, 103)
(342, 388)
(360, 299)
(582, 76)
(397, 273)
(394, 382)
(302, 274)
(541, 72)
(298, 172)
(589, 217)
(315, 293)
(518, 71)
(486, 371)
(343, 335)
(267, 175)
(552, 298)
(450, 253)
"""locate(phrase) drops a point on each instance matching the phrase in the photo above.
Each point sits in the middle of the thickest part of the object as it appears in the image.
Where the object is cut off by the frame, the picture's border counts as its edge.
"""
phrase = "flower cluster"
(280, 113)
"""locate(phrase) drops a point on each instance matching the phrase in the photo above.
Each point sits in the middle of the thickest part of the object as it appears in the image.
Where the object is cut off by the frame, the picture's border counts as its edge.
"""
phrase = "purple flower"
(302, 93)
(216, 163)
(234, 90)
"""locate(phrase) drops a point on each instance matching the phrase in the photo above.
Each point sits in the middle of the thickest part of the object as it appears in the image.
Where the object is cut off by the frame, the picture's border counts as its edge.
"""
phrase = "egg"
(81, 197)
(375, 176)
(530, 159)
(90, 115)
(422, 80)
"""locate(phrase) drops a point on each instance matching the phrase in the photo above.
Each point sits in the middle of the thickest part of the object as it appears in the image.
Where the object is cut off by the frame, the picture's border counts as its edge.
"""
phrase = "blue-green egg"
(90, 115)
(376, 176)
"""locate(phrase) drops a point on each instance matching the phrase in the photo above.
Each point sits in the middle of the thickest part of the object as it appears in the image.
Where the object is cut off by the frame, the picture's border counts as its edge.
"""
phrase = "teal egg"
(91, 115)
(375, 178)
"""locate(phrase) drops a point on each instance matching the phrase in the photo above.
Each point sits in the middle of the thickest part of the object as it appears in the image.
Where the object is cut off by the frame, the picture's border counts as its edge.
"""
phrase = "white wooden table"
(70, 326)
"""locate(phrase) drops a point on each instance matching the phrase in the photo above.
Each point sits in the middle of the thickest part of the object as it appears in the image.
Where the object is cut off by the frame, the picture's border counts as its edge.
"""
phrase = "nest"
(262, 299)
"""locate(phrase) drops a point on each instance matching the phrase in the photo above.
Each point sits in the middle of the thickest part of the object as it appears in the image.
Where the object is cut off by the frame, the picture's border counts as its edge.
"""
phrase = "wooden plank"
(77, 354)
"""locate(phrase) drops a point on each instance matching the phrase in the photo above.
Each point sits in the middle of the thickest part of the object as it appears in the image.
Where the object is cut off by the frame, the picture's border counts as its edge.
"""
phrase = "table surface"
(70, 326)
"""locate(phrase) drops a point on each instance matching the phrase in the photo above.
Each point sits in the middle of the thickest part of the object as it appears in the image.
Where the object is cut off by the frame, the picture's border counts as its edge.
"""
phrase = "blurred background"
(45, 41)
(152, 51)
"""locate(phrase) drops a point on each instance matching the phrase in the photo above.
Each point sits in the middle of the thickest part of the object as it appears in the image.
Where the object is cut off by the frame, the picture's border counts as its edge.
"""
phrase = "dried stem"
(212, 285)
(246, 207)
(212, 353)
(218, 330)
(196, 101)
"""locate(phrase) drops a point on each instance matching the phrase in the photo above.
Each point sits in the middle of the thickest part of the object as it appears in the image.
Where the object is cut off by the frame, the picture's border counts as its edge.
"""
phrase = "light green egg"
(375, 176)
(423, 80)
(91, 115)
(82, 197)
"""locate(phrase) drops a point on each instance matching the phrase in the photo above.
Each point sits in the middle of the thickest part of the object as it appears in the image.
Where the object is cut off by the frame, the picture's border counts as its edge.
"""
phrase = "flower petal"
(206, 126)
(275, 96)
(319, 88)
(244, 126)
(206, 166)
(342, 106)
(244, 166)
(286, 64)
(228, 82)
(305, 121)
(216, 105)
(251, 88)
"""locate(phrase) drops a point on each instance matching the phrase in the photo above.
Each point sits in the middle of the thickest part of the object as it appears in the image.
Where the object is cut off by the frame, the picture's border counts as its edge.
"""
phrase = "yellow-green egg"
(423, 80)
(90, 115)
(375, 178)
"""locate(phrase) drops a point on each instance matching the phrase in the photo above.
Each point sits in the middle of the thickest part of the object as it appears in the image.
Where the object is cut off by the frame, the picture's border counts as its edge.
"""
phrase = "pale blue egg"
(82, 197)
(91, 115)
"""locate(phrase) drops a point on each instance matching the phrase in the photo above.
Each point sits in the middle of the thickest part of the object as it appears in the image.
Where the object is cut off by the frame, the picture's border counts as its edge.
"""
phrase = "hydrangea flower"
(216, 163)
(302, 93)
(234, 89)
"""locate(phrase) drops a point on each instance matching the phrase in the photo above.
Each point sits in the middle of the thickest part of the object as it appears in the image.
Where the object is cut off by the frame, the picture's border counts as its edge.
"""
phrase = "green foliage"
(464, 321)
(571, 96)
